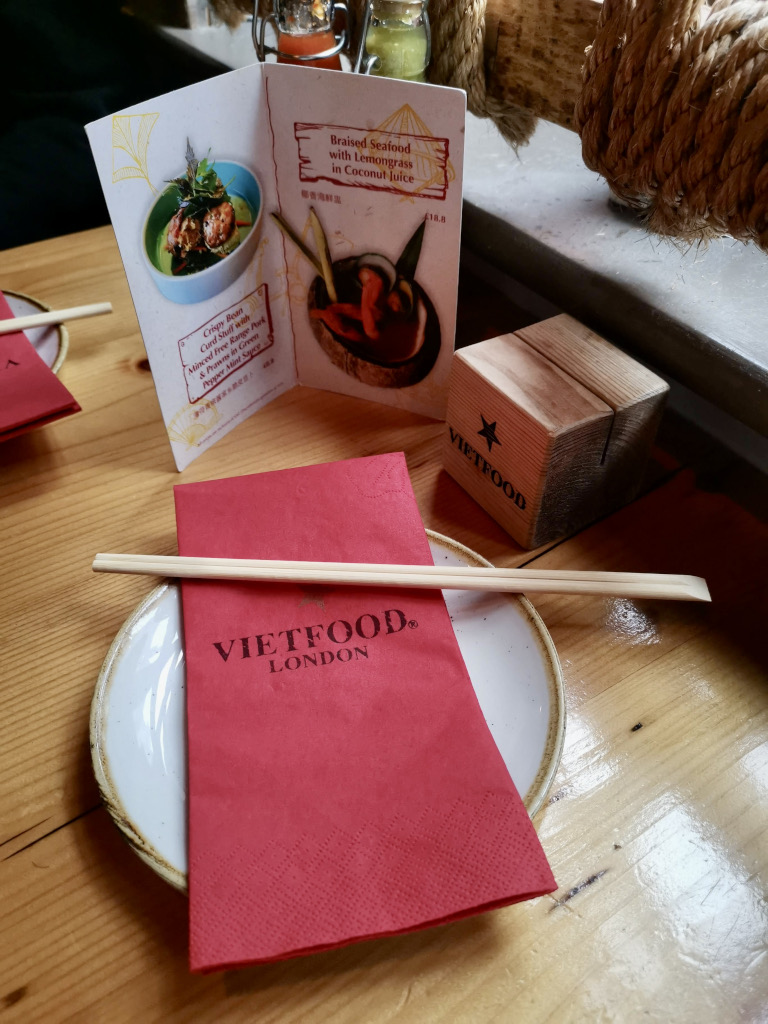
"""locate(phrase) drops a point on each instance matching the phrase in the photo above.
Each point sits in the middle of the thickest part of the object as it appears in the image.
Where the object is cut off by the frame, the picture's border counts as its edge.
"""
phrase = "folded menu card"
(284, 225)
(30, 392)
(343, 783)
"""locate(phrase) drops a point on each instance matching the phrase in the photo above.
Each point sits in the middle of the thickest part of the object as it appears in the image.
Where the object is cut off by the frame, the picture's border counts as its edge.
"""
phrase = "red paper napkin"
(30, 392)
(343, 783)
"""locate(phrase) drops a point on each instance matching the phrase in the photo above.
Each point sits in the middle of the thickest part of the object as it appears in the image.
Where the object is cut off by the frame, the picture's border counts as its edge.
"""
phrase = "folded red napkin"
(30, 392)
(343, 783)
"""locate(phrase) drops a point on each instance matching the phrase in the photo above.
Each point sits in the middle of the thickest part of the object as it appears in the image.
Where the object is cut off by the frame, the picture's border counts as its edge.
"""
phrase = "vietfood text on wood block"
(550, 427)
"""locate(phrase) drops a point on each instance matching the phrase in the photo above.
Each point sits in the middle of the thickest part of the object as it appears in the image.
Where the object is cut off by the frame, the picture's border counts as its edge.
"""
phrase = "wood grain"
(605, 370)
(543, 415)
(656, 821)
(573, 419)
(636, 397)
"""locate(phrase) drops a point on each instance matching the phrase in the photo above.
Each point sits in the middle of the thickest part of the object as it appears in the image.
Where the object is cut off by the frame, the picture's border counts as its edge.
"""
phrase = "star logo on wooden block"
(489, 432)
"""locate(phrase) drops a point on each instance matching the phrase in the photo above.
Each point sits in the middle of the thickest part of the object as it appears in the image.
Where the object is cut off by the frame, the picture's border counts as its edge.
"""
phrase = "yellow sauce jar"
(398, 38)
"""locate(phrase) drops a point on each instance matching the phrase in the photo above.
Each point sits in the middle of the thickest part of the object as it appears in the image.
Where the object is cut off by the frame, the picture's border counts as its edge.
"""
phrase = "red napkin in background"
(343, 783)
(30, 392)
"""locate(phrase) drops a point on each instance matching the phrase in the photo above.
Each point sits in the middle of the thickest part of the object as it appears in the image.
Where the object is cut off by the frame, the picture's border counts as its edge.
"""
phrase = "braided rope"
(458, 59)
(674, 113)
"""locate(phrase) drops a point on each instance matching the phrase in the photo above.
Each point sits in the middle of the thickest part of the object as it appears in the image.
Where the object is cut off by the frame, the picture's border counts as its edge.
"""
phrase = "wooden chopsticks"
(54, 316)
(540, 581)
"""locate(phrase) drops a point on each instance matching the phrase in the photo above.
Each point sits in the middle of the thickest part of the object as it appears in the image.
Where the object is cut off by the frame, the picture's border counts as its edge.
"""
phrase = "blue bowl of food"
(202, 230)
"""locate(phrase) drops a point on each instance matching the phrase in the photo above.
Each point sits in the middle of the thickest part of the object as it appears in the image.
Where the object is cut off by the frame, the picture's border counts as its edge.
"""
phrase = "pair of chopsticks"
(529, 581)
(54, 316)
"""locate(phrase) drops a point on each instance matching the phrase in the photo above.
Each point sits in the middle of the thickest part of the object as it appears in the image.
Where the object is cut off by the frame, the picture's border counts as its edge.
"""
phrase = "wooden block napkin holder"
(550, 427)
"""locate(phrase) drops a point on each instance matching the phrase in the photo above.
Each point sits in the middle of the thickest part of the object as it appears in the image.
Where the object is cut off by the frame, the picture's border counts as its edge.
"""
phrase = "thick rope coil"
(458, 59)
(674, 113)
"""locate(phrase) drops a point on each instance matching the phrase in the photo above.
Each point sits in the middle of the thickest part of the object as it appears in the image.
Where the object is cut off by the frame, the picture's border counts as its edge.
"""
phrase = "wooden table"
(656, 822)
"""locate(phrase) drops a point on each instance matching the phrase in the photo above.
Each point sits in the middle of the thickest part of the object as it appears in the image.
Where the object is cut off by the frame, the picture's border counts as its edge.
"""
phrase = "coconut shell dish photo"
(369, 315)
(390, 341)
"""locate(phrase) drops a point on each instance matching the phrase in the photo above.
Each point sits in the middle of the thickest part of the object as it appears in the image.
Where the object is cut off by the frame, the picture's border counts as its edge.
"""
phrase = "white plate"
(50, 342)
(138, 714)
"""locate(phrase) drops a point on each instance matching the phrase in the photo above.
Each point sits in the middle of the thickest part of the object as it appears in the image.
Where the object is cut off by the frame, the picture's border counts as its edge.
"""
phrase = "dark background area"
(65, 63)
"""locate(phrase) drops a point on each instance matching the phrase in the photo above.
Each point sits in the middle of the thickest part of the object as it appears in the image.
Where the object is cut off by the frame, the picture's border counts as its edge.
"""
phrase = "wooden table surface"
(655, 825)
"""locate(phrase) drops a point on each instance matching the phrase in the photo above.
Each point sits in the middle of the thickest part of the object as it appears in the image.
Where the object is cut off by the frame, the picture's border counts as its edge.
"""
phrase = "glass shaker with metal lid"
(305, 33)
(395, 40)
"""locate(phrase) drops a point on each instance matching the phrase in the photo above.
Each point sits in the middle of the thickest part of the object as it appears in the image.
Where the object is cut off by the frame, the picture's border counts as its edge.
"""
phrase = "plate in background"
(51, 342)
(138, 713)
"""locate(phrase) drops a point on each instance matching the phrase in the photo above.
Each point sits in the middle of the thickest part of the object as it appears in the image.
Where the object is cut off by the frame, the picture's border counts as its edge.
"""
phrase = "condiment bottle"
(305, 29)
(398, 37)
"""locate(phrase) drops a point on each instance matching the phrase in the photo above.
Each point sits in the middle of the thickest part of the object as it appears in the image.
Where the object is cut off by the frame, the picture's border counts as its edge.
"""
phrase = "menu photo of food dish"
(282, 225)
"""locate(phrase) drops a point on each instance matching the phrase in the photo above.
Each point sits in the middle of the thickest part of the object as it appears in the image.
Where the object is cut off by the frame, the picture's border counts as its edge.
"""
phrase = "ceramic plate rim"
(61, 328)
(532, 799)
